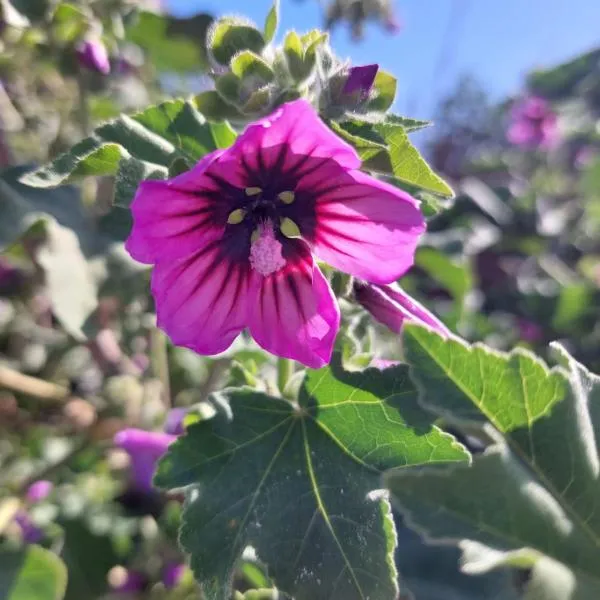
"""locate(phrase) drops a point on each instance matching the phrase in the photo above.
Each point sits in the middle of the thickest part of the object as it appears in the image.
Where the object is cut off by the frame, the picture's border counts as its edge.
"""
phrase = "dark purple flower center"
(272, 210)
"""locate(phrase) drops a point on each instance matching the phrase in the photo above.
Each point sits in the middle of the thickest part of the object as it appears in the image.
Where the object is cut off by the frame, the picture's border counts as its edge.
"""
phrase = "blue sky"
(498, 41)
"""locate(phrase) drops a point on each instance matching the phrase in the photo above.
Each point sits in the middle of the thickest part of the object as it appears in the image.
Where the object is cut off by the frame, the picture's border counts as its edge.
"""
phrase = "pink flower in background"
(393, 24)
(92, 55)
(39, 491)
(145, 449)
(533, 124)
(172, 575)
(126, 581)
(585, 156)
(36, 492)
(233, 240)
(529, 331)
(392, 306)
(360, 80)
(31, 533)
(174, 421)
(10, 277)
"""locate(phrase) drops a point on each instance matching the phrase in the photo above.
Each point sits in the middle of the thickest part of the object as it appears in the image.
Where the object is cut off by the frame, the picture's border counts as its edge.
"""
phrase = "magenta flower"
(360, 80)
(585, 156)
(392, 306)
(145, 448)
(92, 55)
(10, 277)
(172, 575)
(174, 421)
(30, 532)
(232, 241)
(533, 124)
(529, 331)
(39, 491)
(126, 581)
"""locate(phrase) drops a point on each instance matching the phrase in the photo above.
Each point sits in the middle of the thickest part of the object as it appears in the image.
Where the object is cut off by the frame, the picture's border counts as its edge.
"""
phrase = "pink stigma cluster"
(266, 252)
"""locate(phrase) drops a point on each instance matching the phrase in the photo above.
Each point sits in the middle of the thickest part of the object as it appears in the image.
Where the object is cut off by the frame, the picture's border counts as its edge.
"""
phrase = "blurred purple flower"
(360, 80)
(393, 24)
(173, 574)
(529, 331)
(141, 360)
(392, 306)
(533, 124)
(145, 448)
(31, 533)
(39, 490)
(92, 55)
(233, 241)
(585, 156)
(174, 421)
(124, 581)
(10, 277)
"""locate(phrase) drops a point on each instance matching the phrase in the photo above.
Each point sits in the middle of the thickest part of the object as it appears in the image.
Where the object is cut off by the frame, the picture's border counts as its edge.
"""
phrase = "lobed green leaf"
(298, 484)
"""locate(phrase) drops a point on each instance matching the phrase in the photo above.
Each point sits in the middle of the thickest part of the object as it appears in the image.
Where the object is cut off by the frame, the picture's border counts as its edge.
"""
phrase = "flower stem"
(160, 362)
(285, 369)
(32, 386)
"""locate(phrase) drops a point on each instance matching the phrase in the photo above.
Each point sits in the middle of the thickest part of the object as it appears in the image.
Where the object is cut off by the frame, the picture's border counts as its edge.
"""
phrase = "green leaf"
(385, 92)
(69, 22)
(129, 175)
(416, 556)
(32, 574)
(135, 148)
(294, 52)
(249, 64)
(312, 41)
(538, 486)
(575, 301)
(69, 283)
(231, 35)
(223, 134)
(366, 148)
(405, 162)
(385, 148)
(211, 105)
(474, 383)
(271, 22)
(87, 570)
(21, 206)
(298, 484)
(455, 276)
(228, 87)
(259, 101)
(408, 123)
(546, 579)
(173, 45)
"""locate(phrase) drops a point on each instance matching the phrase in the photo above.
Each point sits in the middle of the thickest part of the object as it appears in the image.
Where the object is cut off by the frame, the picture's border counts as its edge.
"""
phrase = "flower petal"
(366, 227)
(172, 219)
(297, 128)
(295, 315)
(202, 300)
(392, 306)
(360, 79)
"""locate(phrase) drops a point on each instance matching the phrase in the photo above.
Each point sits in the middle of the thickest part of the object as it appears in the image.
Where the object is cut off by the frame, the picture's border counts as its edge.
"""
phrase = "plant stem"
(160, 362)
(285, 369)
(32, 386)
(84, 116)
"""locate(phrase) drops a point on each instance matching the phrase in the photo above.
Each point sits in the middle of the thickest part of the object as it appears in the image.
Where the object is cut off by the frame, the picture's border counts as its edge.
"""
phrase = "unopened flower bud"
(392, 306)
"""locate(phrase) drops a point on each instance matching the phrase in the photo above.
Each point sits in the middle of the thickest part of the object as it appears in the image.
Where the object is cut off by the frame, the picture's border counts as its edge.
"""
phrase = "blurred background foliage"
(514, 260)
